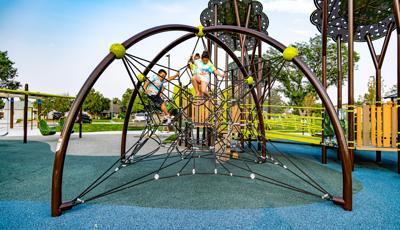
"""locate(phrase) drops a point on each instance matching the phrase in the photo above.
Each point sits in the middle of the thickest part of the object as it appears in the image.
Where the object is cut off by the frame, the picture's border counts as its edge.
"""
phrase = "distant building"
(113, 112)
(18, 111)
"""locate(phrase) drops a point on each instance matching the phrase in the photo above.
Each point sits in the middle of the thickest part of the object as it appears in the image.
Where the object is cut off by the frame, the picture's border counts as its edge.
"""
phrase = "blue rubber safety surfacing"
(371, 208)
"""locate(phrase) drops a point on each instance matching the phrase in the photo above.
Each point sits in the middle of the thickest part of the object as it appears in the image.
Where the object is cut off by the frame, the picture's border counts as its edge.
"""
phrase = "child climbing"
(154, 87)
(203, 69)
(191, 64)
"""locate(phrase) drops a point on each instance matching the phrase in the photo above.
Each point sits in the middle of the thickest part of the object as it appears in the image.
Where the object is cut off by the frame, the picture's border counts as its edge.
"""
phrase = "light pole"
(169, 64)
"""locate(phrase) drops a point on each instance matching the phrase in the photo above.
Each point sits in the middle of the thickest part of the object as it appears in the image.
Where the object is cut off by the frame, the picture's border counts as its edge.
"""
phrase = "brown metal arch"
(56, 204)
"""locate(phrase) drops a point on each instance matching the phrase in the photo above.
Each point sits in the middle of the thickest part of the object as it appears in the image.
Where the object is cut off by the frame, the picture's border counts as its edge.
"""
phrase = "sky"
(55, 44)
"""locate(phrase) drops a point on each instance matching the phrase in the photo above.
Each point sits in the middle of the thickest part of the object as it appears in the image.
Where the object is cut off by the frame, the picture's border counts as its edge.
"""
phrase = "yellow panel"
(359, 125)
(395, 119)
(387, 123)
(235, 114)
(373, 124)
(379, 126)
(274, 135)
(366, 125)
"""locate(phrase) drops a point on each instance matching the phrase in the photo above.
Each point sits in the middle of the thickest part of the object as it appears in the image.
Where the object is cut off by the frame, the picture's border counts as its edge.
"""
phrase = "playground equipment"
(361, 21)
(223, 128)
(376, 127)
(4, 124)
(7, 93)
(45, 129)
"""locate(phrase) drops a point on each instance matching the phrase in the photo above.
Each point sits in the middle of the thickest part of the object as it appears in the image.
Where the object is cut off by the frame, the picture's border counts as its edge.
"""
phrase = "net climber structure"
(222, 134)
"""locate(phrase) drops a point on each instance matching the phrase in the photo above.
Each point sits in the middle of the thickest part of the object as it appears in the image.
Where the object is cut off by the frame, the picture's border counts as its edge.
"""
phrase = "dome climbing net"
(220, 134)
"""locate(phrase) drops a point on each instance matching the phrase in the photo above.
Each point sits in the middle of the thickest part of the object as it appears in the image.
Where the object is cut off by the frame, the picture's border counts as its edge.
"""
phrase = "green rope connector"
(200, 34)
(118, 50)
(249, 80)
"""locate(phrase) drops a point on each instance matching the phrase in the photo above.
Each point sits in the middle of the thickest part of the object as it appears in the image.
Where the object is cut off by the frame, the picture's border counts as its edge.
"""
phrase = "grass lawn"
(108, 120)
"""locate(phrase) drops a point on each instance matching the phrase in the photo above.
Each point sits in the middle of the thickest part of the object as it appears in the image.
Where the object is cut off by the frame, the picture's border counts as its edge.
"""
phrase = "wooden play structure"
(376, 127)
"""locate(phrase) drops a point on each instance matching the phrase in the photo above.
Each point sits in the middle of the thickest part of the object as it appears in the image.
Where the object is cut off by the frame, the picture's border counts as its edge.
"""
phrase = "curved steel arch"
(56, 204)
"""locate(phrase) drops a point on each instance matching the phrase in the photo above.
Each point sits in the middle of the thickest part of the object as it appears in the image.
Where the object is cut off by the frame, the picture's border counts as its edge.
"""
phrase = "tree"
(276, 99)
(370, 96)
(2, 103)
(125, 100)
(138, 105)
(293, 83)
(49, 104)
(8, 72)
(116, 101)
(391, 91)
(95, 103)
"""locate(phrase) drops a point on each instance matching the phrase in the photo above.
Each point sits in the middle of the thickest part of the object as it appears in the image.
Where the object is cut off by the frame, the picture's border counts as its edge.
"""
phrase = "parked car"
(86, 119)
(140, 117)
(57, 115)
(54, 115)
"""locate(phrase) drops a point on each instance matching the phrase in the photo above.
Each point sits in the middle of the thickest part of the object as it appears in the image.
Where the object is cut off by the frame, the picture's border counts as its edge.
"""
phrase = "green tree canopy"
(54, 104)
(392, 90)
(8, 72)
(370, 96)
(292, 82)
(2, 103)
(138, 105)
(95, 103)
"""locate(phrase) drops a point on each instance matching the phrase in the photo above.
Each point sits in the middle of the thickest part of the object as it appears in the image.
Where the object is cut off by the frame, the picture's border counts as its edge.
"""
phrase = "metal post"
(80, 121)
(215, 48)
(339, 76)
(31, 118)
(260, 64)
(350, 112)
(324, 62)
(26, 114)
(11, 113)
(39, 103)
(378, 104)
(396, 10)
(340, 71)
(378, 62)
(169, 71)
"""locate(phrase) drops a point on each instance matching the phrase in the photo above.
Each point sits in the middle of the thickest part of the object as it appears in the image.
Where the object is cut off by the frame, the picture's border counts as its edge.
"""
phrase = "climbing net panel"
(212, 135)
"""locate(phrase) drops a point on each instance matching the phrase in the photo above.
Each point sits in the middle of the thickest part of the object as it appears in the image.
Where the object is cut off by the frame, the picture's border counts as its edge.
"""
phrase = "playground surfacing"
(191, 201)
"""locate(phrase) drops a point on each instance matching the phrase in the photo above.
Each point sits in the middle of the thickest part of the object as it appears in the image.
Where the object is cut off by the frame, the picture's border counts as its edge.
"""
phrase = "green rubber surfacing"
(26, 175)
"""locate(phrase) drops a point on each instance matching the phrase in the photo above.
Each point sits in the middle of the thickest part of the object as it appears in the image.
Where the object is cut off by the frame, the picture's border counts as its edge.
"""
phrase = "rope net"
(212, 135)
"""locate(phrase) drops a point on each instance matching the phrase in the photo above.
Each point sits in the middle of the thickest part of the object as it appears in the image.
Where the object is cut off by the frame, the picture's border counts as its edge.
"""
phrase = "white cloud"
(289, 6)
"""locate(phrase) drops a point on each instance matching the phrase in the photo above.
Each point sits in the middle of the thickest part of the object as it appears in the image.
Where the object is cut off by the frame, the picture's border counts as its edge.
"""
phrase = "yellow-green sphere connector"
(141, 77)
(249, 80)
(289, 53)
(118, 50)
(200, 33)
